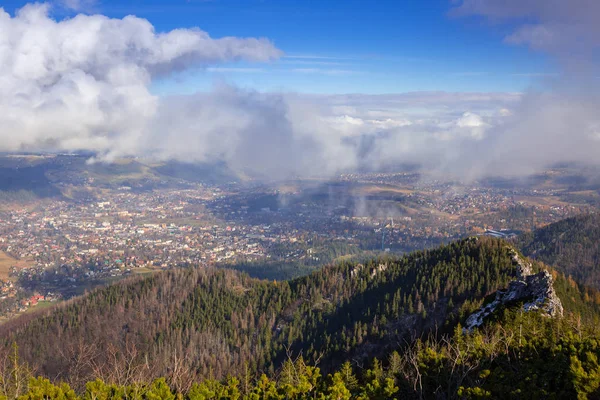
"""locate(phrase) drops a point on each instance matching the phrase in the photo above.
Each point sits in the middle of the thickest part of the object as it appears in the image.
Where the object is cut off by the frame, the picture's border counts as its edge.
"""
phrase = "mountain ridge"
(342, 311)
(195, 324)
(536, 290)
(570, 245)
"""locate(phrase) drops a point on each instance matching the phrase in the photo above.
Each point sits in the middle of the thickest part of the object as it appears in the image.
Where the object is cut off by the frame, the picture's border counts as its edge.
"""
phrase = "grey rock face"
(544, 297)
(523, 268)
(536, 289)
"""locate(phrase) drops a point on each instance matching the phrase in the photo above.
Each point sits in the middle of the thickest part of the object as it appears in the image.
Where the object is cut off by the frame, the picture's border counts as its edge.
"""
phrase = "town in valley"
(99, 224)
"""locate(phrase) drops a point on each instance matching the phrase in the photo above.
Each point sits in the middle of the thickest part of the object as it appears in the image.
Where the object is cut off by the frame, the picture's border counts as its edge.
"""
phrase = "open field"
(40, 306)
(541, 201)
(7, 261)
(386, 189)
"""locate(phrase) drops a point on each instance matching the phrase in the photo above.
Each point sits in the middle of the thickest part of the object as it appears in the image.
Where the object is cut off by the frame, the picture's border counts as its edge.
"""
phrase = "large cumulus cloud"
(83, 82)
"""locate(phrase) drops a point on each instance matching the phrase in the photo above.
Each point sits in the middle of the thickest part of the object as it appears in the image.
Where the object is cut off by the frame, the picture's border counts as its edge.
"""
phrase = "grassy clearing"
(40, 306)
(7, 261)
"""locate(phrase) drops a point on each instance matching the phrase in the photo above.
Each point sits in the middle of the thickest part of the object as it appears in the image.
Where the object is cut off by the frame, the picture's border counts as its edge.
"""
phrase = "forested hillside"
(571, 245)
(192, 324)
(516, 356)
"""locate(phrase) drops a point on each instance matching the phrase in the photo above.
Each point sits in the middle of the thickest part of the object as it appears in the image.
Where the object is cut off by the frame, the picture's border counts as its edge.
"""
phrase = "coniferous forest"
(387, 328)
(571, 245)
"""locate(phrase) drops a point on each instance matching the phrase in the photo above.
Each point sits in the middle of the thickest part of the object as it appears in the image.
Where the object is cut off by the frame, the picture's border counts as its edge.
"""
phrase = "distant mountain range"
(47, 175)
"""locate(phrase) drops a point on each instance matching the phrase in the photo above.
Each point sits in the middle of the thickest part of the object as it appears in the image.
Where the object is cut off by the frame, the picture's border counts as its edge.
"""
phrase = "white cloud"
(470, 120)
(282, 135)
(504, 112)
(78, 5)
(552, 122)
(556, 26)
(82, 83)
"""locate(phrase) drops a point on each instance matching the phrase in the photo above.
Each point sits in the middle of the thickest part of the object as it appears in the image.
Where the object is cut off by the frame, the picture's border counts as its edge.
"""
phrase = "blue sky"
(344, 46)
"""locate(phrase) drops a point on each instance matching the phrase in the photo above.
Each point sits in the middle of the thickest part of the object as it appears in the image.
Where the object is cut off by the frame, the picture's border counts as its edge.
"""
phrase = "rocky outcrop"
(359, 267)
(535, 290)
(380, 268)
(523, 268)
(356, 270)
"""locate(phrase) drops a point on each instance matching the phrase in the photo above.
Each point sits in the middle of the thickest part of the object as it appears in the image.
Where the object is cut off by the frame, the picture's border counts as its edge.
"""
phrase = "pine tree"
(348, 376)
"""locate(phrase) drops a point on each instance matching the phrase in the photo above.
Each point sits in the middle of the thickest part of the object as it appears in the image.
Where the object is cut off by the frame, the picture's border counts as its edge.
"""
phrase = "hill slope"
(28, 177)
(219, 322)
(571, 245)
